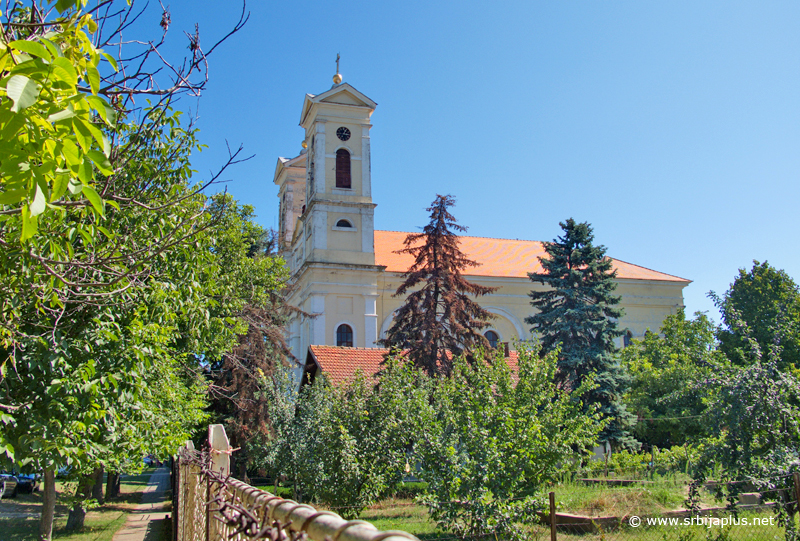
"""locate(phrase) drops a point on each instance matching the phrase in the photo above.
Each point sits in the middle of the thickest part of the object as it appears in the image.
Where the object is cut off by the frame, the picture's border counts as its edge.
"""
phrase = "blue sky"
(673, 128)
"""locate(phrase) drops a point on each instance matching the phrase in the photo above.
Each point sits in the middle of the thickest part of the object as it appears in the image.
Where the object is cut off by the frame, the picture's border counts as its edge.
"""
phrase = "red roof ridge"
(343, 347)
(651, 270)
(463, 236)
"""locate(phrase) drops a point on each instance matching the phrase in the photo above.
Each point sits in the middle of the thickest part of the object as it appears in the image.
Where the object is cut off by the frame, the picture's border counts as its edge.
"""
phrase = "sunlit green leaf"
(75, 187)
(93, 77)
(59, 187)
(23, 92)
(103, 109)
(31, 47)
(55, 52)
(94, 198)
(82, 134)
(85, 172)
(69, 112)
(29, 224)
(63, 70)
(39, 202)
(111, 60)
(100, 161)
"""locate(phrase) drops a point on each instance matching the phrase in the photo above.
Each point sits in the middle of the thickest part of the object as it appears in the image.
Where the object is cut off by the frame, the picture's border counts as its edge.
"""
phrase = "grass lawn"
(407, 516)
(101, 523)
(665, 494)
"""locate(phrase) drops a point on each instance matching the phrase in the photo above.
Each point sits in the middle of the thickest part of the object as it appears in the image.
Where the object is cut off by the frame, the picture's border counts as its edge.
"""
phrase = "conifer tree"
(440, 316)
(578, 312)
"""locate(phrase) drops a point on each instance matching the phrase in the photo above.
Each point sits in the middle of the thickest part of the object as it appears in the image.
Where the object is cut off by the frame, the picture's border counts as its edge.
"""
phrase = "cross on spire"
(337, 62)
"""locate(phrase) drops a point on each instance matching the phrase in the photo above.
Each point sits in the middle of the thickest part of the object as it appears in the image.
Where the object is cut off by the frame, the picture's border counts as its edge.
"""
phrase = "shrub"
(491, 438)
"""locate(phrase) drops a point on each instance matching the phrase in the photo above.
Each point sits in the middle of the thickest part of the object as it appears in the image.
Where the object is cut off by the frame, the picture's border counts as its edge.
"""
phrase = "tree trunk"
(112, 485)
(77, 515)
(76, 518)
(48, 506)
(97, 488)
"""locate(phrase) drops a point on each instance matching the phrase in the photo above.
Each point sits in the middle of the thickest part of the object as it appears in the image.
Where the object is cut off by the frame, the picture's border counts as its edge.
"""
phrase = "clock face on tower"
(343, 133)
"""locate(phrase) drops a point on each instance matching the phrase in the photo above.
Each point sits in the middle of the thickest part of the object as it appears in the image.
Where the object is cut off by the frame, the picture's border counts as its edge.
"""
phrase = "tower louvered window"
(342, 168)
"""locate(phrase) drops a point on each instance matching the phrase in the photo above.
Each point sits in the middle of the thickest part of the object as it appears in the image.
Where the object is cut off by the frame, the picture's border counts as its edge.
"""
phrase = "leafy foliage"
(668, 371)
(767, 301)
(576, 315)
(345, 447)
(108, 279)
(491, 438)
(754, 420)
(256, 279)
(53, 118)
(82, 158)
(438, 321)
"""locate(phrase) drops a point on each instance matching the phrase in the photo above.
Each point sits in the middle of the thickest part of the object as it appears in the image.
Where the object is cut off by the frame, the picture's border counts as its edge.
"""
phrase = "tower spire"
(337, 79)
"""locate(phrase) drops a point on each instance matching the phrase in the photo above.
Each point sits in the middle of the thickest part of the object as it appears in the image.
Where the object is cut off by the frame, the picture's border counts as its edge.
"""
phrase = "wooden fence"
(209, 505)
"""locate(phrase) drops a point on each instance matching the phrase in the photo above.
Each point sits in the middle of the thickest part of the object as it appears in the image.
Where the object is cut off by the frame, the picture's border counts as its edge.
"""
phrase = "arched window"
(492, 337)
(344, 336)
(626, 339)
(343, 223)
(342, 168)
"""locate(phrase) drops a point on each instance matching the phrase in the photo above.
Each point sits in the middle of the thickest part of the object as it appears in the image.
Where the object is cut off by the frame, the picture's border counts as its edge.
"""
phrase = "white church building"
(344, 272)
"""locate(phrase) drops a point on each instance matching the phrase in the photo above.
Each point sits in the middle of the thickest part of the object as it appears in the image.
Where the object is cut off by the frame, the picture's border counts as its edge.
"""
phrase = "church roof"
(341, 363)
(341, 94)
(498, 257)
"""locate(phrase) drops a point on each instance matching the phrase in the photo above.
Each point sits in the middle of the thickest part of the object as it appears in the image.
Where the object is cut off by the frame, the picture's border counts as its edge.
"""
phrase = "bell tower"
(327, 222)
(338, 221)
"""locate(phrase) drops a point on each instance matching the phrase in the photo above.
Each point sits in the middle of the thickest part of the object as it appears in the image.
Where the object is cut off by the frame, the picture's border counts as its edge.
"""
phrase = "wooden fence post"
(219, 448)
(553, 534)
(797, 490)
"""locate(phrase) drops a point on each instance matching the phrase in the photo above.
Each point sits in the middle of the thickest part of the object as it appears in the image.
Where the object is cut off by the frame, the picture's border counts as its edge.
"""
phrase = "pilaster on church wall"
(370, 320)
(317, 323)
(368, 232)
(319, 158)
(319, 231)
(366, 167)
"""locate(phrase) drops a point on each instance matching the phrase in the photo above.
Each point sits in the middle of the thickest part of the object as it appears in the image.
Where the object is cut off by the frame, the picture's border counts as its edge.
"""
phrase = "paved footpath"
(145, 522)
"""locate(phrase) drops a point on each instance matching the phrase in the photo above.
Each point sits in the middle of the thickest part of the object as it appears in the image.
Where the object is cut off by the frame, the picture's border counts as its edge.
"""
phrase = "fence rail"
(210, 505)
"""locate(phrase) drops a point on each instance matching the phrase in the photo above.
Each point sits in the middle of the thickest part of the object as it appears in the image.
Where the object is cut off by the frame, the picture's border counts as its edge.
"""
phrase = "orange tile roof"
(341, 363)
(498, 257)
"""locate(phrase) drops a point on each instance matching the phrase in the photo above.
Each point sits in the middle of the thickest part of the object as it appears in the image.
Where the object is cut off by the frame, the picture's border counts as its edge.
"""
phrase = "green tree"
(256, 279)
(754, 420)
(492, 438)
(767, 301)
(72, 140)
(346, 446)
(105, 280)
(438, 321)
(668, 371)
(576, 315)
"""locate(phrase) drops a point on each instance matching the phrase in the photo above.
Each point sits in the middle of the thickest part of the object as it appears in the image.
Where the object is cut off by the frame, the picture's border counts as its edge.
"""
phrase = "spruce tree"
(578, 311)
(440, 316)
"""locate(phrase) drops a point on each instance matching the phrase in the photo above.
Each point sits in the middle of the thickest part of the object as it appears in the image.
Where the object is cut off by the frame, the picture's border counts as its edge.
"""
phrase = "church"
(344, 272)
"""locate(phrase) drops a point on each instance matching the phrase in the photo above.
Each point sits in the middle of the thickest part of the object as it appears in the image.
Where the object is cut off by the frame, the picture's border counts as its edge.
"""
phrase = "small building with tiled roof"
(341, 364)
(344, 273)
